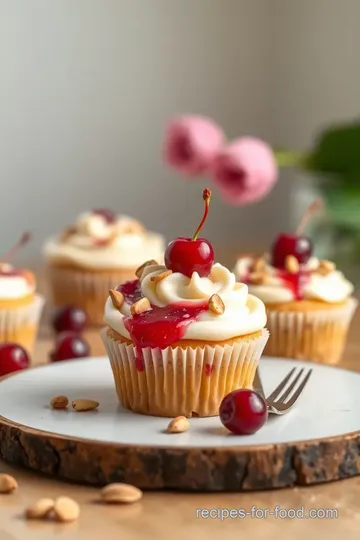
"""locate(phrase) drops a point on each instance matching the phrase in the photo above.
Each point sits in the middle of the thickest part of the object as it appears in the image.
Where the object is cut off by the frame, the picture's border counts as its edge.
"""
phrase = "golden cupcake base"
(189, 378)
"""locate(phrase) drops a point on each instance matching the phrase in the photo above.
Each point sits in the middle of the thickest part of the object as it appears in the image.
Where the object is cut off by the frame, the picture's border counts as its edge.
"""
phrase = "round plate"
(316, 441)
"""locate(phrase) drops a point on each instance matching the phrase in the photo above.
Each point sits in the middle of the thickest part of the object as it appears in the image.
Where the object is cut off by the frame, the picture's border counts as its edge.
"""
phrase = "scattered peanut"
(121, 493)
(117, 298)
(161, 276)
(216, 305)
(66, 509)
(40, 510)
(292, 264)
(140, 270)
(82, 405)
(7, 483)
(178, 425)
(140, 306)
(59, 402)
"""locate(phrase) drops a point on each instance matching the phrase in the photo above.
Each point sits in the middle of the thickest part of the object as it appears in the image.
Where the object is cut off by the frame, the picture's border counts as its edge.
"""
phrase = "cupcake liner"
(319, 336)
(20, 324)
(182, 380)
(88, 290)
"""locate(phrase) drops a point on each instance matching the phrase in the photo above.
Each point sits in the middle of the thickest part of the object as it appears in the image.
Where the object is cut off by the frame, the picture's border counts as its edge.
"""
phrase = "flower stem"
(289, 158)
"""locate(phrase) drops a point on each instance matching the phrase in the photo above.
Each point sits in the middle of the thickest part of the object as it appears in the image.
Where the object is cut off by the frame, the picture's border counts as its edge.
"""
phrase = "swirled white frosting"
(97, 244)
(244, 314)
(14, 286)
(330, 288)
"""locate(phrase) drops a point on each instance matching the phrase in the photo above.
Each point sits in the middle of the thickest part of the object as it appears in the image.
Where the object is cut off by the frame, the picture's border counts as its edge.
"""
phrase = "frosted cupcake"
(183, 335)
(308, 301)
(20, 305)
(98, 253)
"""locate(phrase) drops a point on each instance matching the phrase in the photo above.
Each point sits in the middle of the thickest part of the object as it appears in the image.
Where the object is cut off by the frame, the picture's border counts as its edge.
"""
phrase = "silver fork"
(286, 394)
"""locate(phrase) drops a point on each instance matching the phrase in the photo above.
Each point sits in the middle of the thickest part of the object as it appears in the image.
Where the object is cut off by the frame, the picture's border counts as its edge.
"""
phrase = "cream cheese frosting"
(244, 313)
(331, 287)
(97, 243)
(14, 284)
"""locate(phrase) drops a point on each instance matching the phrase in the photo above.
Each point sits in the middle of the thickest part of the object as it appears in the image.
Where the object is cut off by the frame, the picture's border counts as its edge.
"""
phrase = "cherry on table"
(291, 244)
(69, 318)
(243, 411)
(13, 357)
(68, 346)
(188, 255)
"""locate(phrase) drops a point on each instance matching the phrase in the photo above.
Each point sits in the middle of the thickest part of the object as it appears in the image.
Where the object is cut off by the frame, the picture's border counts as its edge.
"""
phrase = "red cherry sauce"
(159, 327)
(295, 282)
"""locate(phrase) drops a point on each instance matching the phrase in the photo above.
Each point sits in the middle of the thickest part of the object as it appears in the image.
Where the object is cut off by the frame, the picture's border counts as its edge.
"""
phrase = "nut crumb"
(292, 264)
(141, 268)
(216, 305)
(140, 306)
(161, 276)
(117, 298)
(178, 425)
(59, 402)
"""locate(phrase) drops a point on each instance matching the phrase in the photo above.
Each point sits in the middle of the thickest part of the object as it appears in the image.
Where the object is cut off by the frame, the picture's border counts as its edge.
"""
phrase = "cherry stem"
(206, 197)
(23, 240)
(314, 207)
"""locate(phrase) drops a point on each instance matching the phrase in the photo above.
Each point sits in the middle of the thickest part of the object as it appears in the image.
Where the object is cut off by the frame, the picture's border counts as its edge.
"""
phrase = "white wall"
(88, 85)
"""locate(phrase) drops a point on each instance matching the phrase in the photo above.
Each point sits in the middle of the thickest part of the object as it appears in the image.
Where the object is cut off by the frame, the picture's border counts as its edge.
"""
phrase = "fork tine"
(280, 387)
(289, 389)
(298, 392)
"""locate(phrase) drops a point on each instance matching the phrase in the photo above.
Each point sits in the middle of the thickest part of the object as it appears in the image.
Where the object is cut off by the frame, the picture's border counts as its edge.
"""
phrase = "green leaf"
(343, 204)
(337, 151)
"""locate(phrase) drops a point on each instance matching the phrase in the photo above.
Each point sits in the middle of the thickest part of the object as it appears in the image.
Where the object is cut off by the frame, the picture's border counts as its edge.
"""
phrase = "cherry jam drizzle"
(158, 327)
(295, 282)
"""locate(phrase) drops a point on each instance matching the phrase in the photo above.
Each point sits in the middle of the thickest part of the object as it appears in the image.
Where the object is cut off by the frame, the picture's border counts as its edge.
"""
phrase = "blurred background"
(87, 87)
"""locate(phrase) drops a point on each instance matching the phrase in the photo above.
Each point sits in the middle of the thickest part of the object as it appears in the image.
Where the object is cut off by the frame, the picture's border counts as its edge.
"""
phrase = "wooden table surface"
(172, 515)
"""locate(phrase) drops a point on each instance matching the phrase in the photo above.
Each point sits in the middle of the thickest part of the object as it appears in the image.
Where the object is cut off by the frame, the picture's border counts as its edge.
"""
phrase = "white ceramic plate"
(329, 406)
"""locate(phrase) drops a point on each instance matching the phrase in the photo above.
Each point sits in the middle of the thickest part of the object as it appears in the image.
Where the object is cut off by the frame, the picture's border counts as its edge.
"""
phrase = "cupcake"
(98, 253)
(20, 305)
(184, 334)
(308, 301)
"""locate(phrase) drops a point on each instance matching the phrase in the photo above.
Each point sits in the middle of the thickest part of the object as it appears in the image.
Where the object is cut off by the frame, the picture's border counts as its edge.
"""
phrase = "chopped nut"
(259, 265)
(257, 278)
(327, 266)
(7, 483)
(121, 493)
(82, 405)
(292, 264)
(140, 306)
(59, 402)
(117, 298)
(161, 276)
(216, 305)
(40, 510)
(69, 231)
(178, 425)
(66, 509)
(139, 271)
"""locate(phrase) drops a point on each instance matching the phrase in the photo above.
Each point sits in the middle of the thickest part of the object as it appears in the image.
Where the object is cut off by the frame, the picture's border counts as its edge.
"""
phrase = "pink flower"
(245, 171)
(191, 144)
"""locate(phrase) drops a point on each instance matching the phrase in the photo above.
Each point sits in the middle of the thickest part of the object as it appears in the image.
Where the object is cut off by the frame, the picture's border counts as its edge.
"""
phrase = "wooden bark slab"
(114, 445)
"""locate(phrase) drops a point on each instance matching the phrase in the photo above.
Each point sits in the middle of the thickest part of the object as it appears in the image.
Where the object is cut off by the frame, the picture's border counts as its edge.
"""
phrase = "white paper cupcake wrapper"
(88, 290)
(182, 381)
(20, 324)
(318, 335)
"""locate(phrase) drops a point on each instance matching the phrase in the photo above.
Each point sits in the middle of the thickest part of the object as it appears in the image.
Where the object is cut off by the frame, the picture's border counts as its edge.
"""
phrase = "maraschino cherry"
(69, 346)
(188, 255)
(13, 357)
(296, 244)
(108, 215)
(69, 318)
(243, 411)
